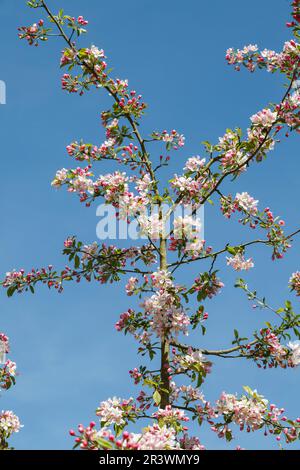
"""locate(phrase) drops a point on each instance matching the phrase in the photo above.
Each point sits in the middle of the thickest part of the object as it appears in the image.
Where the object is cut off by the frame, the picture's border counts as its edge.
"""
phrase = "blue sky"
(68, 353)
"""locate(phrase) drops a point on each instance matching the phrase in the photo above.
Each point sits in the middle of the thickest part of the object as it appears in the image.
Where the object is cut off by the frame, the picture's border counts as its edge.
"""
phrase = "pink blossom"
(239, 263)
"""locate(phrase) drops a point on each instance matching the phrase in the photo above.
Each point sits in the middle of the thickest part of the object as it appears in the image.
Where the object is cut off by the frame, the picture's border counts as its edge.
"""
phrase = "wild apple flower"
(124, 319)
(195, 247)
(158, 438)
(161, 279)
(90, 251)
(190, 443)
(60, 178)
(97, 53)
(131, 285)
(4, 340)
(9, 423)
(172, 139)
(82, 21)
(10, 368)
(187, 187)
(191, 394)
(239, 263)
(264, 118)
(129, 205)
(143, 185)
(170, 415)
(193, 360)
(207, 285)
(151, 226)
(186, 227)
(294, 282)
(165, 316)
(113, 411)
(194, 164)
(277, 351)
(294, 359)
(244, 411)
(251, 58)
(115, 185)
(246, 203)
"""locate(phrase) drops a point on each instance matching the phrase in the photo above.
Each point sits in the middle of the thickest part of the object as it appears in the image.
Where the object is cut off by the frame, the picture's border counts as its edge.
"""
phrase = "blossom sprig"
(34, 33)
(247, 206)
(9, 422)
(152, 437)
(294, 282)
(251, 58)
(294, 24)
(171, 417)
(8, 375)
(194, 363)
(108, 150)
(172, 139)
(207, 285)
(8, 369)
(267, 349)
(117, 412)
(101, 263)
(253, 412)
(113, 187)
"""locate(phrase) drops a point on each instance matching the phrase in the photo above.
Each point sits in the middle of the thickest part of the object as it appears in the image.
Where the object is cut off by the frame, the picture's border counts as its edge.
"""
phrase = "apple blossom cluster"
(152, 437)
(87, 152)
(4, 342)
(94, 72)
(294, 282)
(8, 374)
(289, 111)
(207, 285)
(296, 16)
(239, 263)
(246, 202)
(8, 369)
(9, 422)
(187, 393)
(34, 33)
(251, 58)
(165, 312)
(294, 353)
(170, 416)
(268, 351)
(247, 205)
(173, 140)
(191, 443)
(253, 412)
(192, 360)
(186, 237)
(114, 188)
(187, 187)
(162, 312)
(115, 411)
(244, 411)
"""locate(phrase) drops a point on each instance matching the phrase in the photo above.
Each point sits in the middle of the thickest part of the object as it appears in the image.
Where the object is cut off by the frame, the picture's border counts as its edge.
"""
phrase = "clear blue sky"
(68, 353)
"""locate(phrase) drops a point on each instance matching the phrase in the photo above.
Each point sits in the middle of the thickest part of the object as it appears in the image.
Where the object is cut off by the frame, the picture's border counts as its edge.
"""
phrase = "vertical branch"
(165, 345)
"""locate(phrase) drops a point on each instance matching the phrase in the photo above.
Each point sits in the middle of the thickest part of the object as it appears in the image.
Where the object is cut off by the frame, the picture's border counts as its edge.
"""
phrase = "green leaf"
(157, 397)
(232, 250)
(10, 291)
(77, 262)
